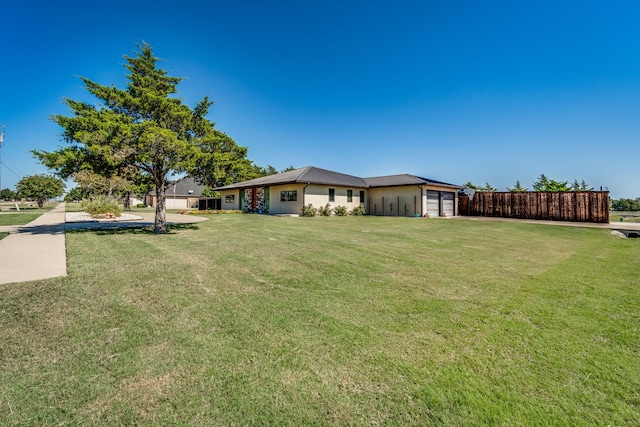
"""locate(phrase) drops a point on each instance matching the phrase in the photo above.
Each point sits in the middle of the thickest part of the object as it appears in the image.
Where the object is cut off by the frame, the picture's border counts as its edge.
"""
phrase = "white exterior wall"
(385, 200)
(233, 205)
(412, 200)
(318, 196)
(278, 207)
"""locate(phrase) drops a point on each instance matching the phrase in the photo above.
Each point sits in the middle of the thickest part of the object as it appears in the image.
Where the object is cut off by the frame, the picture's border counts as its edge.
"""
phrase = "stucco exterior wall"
(411, 200)
(386, 200)
(230, 199)
(407, 200)
(318, 196)
(277, 206)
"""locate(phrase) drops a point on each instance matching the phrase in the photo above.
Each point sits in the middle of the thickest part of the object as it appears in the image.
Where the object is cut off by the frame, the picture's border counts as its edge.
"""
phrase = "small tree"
(625, 204)
(544, 184)
(486, 188)
(7, 194)
(74, 195)
(582, 186)
(517, 188)
(40, 188)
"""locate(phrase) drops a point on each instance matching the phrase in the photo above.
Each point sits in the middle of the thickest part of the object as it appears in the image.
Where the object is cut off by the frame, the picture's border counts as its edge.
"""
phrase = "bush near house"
(341, 211)
(309, 210)
(325, 211)
(357, 211)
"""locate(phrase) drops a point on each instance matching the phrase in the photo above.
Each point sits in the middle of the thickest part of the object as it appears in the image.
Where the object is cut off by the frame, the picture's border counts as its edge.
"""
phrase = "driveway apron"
(34, 251)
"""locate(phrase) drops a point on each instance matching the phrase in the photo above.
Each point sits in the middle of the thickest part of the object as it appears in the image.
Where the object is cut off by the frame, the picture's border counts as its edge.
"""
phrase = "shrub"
(101, 205)
(341, 211)
(357, 211)
(141, 205)
(309, 210)
(326, 211)
(212, 212)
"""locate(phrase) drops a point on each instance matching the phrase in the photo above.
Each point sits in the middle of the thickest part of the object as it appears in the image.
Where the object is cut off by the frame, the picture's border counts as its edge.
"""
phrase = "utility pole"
(1, 142)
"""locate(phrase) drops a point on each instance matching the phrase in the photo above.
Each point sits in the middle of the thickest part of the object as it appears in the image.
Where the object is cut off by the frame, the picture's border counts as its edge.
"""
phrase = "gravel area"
(85, 217)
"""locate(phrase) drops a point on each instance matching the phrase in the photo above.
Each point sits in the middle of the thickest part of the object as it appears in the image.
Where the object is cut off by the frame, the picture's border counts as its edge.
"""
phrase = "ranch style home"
(394, 195)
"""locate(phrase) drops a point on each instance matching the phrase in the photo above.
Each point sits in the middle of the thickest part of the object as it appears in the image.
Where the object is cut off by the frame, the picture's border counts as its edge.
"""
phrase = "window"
(349, 196)
(289, 196)
(362, 197)
(229, 198)
(332, 194)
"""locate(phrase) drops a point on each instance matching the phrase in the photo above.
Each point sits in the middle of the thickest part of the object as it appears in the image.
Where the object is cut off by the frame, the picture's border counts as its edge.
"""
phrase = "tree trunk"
(160, 225)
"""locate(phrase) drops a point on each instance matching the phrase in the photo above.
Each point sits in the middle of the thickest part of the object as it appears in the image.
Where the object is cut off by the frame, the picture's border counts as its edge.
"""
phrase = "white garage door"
(448, 200)
(172, 203)
(433, 204)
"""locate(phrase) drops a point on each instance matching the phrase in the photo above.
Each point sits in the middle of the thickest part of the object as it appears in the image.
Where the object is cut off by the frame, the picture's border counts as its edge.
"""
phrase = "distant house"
(394, 195)
(181, 194)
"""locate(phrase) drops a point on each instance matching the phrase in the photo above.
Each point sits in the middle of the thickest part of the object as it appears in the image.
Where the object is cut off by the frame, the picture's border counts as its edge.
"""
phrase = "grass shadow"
(114, 229)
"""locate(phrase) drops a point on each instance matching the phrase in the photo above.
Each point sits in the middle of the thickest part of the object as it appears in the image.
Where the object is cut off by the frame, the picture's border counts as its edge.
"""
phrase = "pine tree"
(143, 126)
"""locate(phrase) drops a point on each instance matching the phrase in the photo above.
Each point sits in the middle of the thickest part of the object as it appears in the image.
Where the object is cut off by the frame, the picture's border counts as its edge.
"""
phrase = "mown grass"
(253, 319)
(27, 213)
(28, 206)
(624, 216)
(17, 218)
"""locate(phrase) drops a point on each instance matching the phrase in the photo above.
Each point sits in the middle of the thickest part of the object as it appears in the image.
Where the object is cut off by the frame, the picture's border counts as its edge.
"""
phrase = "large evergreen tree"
(144, 126)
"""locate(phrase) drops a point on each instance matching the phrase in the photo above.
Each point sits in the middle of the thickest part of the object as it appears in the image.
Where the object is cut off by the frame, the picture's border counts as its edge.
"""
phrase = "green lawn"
(626, 216)
(18, 218)
(248, 319)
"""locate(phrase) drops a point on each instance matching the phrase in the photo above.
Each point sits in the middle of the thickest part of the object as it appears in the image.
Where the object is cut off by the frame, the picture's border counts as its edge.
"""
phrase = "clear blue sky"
(481, 91)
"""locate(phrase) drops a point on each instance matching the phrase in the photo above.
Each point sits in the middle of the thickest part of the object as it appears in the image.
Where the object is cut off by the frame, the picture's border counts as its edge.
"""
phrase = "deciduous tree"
(40, 188)
(7, 194)
(625, 204)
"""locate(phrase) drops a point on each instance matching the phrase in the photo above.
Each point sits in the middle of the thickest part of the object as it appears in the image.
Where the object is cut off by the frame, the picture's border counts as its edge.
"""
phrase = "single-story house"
(181, 194)
(394, 195)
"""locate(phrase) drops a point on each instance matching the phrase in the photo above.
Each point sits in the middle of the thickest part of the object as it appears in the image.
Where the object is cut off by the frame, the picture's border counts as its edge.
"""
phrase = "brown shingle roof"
(314, 175)
(306, 175)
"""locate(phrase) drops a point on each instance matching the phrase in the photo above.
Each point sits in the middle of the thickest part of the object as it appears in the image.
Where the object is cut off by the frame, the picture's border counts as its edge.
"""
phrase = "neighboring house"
(180, 194)
(394, 195)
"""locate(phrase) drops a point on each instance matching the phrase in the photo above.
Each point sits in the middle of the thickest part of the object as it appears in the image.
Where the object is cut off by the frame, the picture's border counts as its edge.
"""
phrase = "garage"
(441, 203)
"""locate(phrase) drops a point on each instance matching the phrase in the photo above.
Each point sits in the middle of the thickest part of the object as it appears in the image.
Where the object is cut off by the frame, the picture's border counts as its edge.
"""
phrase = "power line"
(7, 168)
(10, 143)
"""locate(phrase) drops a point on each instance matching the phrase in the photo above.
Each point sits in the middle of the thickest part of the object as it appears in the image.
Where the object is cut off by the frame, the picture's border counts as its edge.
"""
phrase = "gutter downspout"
(422, 207)
(304, 195)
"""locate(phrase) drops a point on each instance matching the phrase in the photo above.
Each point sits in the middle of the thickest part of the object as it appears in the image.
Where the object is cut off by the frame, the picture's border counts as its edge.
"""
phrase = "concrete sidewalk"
(34, 251)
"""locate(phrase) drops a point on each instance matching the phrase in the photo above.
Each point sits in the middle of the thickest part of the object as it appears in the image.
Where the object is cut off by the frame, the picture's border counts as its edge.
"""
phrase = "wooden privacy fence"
(582, 206)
